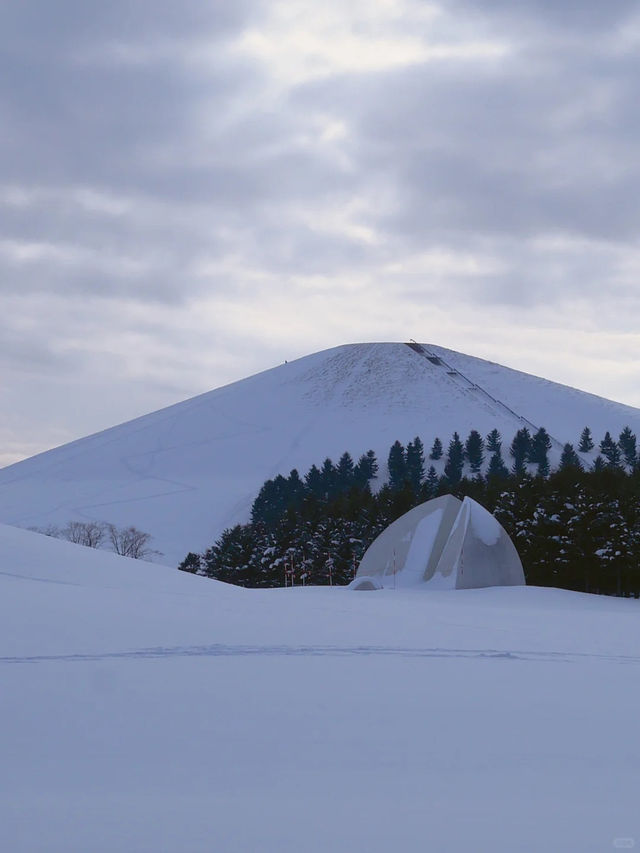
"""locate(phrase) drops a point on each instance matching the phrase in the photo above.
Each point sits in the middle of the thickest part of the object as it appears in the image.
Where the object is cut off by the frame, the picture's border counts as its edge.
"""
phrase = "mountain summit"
(186, 472)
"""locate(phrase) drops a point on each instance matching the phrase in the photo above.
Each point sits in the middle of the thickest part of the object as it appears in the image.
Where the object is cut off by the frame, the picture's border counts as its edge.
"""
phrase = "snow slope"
(185, 473)
(143, 709)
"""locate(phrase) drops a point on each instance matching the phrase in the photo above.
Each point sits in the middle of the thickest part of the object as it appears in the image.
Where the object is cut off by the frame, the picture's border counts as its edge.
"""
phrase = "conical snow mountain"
(186, 472)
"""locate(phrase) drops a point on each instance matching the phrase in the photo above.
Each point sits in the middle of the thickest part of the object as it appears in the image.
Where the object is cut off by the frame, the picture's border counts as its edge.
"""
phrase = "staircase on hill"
(471, 387)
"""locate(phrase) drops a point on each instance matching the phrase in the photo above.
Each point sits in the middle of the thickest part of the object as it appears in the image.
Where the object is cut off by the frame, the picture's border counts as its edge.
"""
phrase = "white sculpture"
(445, 543)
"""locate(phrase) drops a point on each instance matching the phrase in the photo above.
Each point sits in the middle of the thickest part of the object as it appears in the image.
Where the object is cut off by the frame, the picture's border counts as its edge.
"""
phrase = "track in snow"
(223, 650)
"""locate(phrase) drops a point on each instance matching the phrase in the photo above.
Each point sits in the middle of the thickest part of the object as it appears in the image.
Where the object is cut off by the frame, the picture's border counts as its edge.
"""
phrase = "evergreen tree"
(366, 468)
(436, 450)
(231, 559)
(544, 468)
(520, 450)
(569, 459)
(539, 452)
(627, 444)
(345, 472)
(431, 483)
(586, 441)
(474, 451)
(455, 460)
(415, 463)
(328, 478)
(372, 464)
(494, 441)
(541, 532)
(610, 536)
(512, 511)
(192, 563)
(610, 450)
(497, 468)
(271, 502)
(397, 465)
(295, 489)
(314, 482)
(540, 446)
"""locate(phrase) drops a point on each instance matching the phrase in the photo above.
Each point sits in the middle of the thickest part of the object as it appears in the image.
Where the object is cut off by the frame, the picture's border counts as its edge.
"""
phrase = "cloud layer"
(177, 180)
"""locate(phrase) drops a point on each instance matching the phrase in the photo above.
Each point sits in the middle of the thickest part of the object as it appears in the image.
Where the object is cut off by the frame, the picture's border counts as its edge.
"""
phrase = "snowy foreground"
(145, 710)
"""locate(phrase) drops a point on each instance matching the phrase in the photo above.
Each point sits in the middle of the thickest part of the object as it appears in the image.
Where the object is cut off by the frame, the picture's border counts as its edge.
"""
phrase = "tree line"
(576, 527)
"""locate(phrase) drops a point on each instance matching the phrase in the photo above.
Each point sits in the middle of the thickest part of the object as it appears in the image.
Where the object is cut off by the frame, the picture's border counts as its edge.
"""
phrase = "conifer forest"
(576, 527)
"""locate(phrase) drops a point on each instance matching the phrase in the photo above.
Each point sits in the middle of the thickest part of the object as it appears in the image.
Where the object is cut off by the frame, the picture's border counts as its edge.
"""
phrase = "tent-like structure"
(445, 543)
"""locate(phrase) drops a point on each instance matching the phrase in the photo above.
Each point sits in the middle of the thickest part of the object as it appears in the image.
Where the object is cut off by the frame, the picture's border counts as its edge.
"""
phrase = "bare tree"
(130, 542)
(49, 530)
(89, 533)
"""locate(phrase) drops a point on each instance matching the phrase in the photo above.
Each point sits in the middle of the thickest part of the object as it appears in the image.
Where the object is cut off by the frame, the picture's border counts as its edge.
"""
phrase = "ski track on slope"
(129, 464)
(246, 501)
(223, 650)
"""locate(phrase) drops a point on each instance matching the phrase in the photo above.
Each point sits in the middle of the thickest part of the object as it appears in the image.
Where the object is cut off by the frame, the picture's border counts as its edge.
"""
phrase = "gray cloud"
(153, 159)
(581, 16)
(78, 106)
(502, 151)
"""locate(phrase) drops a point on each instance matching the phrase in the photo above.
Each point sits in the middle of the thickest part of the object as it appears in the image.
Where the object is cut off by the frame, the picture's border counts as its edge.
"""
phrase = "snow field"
(146, 710)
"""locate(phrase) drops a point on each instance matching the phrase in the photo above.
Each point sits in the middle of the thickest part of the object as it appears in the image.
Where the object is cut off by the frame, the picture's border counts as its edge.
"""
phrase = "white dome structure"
(444, 543)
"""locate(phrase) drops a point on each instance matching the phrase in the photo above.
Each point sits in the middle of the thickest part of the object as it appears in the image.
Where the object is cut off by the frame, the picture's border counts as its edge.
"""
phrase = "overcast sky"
(194, 191)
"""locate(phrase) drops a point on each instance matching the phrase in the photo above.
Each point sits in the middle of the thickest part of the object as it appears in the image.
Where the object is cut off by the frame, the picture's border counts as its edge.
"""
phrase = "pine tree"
(436, 450)
(508, 511)
(540, 446)
(497, 468)
(474, 451)
(366, 468)
(586, 441)
(192, 563)
(272, 501)
(372, 464)
(540, 540)
(569, 459)
(345, 472)
(430, 488)
(627, 444)
(610, 450)
(520, 450)
(415, 463)
(295, 489)
(397, 465)
(544, 468)
(314, 482)
(539, 452)
(231, 559)
(494, 441)
(455, 460)
(610, 535)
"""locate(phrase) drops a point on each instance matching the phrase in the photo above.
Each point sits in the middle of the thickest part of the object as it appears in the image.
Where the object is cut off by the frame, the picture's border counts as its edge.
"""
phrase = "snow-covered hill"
(186, 472)
(144, 709)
